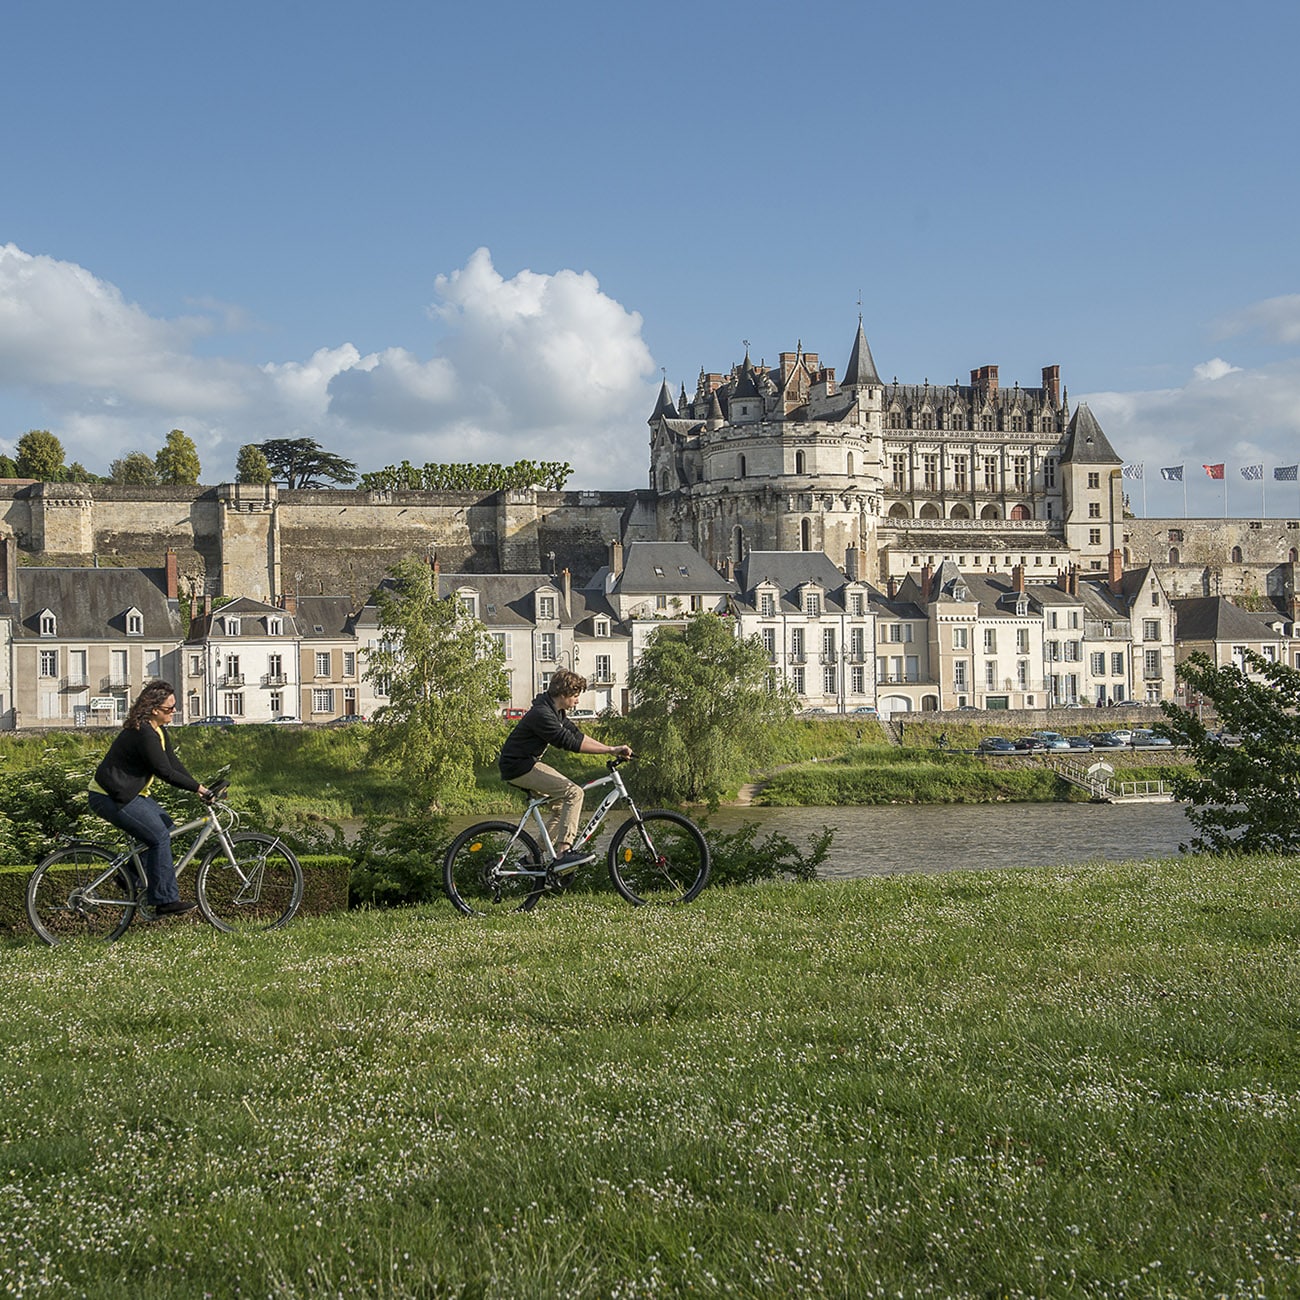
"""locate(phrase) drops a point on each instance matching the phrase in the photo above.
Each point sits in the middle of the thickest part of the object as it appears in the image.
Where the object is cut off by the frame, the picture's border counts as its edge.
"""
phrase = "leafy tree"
(301, 463)
(1244, 798)
(177, 461)
(444, 682)
(8, 469)
(251, 467)
(547, 474)
(78, 473)
(705, 709)
(136, 468)
(40, 456)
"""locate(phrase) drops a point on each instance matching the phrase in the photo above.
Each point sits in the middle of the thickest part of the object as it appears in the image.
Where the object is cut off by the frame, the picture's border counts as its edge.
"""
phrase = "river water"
(881, 841)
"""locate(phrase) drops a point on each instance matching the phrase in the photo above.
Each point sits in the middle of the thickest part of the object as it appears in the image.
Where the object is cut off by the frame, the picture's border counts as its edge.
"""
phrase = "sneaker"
(572, 858)
(178, 908)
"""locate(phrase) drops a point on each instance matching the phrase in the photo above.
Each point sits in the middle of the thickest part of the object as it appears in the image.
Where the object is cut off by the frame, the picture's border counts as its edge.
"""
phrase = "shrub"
(737, 860)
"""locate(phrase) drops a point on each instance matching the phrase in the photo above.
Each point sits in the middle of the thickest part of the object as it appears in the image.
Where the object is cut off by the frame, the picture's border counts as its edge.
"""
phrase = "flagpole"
(1184, 493)
(1144, 490)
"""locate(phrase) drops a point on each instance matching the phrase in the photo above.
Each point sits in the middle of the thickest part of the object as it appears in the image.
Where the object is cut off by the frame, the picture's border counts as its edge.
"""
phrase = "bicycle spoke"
(664, 859)
(79, 895)
(491, 868)
(261, 891)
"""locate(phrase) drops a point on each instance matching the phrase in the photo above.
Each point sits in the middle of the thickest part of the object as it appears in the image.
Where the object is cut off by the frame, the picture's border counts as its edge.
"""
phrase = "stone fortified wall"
(239, 539)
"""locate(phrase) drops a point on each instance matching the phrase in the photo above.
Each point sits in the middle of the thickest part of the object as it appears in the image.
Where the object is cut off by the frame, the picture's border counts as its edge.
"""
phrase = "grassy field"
(1080, 1082)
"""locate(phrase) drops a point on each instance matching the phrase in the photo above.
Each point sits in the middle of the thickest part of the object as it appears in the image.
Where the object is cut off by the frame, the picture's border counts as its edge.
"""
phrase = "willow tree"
(705, 709)
(443, 680)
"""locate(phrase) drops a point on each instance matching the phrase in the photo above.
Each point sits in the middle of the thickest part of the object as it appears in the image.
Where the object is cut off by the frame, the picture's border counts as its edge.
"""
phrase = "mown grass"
(1071, 1082)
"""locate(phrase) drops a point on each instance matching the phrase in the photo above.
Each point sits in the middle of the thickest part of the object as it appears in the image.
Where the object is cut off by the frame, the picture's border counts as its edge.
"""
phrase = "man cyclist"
(543, 725)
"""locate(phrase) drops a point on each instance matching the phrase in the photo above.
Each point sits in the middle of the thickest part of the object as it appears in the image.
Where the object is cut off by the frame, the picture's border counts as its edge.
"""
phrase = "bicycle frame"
(533, 813)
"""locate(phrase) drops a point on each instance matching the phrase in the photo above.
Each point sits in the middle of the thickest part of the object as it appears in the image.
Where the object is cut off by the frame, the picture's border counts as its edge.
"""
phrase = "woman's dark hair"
(146, 702)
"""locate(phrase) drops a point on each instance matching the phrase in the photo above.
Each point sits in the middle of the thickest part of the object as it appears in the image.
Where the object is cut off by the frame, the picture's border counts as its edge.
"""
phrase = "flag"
(1132, 471)
(1172, 474)
(1252, 472)
(1286, 473)
(1214, 471)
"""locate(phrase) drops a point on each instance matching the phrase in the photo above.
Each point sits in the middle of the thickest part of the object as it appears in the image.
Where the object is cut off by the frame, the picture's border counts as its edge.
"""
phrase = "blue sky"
(487, 231)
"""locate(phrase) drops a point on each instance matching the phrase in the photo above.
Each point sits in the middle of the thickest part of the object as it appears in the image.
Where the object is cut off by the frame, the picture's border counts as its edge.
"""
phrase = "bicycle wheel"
(78, 895)
(483, 871)
(260, 892)
(661, 859)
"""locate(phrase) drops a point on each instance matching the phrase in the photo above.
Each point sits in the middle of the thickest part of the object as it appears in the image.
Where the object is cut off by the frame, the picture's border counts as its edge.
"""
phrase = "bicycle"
(656, 856)
(89, 892)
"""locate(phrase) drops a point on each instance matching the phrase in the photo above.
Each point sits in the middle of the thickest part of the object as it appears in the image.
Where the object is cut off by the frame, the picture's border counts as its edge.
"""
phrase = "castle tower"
(1092, 491)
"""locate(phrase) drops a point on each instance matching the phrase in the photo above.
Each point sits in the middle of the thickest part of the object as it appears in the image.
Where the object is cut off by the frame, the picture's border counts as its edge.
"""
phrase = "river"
(897, 839)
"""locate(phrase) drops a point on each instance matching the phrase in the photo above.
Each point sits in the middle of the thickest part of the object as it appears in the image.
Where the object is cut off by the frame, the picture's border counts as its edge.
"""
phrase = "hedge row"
(325, 889)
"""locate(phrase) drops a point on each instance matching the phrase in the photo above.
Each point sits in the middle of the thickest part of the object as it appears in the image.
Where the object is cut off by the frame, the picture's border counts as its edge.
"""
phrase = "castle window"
(1173, 555)
(799, 463)
(986, 423)
(805, 535)
(959, 473)
(927, 420)
(1017, 424)
(740, 467)
(930, 472)
(1236, 555)
(1049, 473)
(899, 462)
(1094, 509)
(990, 473)
(895, 419)
(850, 465)
(1094, 480)
(1094, 536)
(1020, 472)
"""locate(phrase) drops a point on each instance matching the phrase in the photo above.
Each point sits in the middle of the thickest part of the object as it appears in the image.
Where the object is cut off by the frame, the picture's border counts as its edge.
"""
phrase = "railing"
(275, 679)
(74, 680)
(232, 679)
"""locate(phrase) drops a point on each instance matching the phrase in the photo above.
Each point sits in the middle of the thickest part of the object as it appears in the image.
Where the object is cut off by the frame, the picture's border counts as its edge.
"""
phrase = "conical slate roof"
(664, 406)
(861, 369)
(1085, 443)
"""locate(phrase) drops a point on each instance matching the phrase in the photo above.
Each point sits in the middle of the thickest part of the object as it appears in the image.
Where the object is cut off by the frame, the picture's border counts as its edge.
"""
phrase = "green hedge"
(325, 889)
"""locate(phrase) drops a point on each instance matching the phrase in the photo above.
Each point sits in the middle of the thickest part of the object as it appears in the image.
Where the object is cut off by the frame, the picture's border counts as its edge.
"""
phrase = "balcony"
(74, 682)
(115, 682)
(231, 679)
(275, 679)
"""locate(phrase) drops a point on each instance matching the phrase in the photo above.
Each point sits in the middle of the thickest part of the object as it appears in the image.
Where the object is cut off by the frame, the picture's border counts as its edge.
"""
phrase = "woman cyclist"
(119, 791)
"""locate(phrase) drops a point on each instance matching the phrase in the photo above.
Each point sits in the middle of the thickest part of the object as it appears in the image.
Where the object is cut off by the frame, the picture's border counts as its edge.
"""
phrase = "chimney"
(891, 587)
(289, 603)
(194, 607)
(8, 567)
(985, 381)
(616, 558)
(172, 570)
(1018, 578)
(207, 606)
(566, 583)
(926, 574)
(1116, 574)
(853, 564)
(1074, 580)
(1052, 384)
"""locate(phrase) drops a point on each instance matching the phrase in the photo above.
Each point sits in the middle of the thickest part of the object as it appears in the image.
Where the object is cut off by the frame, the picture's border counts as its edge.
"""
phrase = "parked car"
(285, 718)
(1052, 739)
(1081, 743)
(215, 720)
(868, 710)
(346, 720)
(1031, 745)
(1123, 734)
(1145, 738)
(582, 715)
(1231, 739)
(513, 715)
(995, 745)
(1108, 740)
(1128, 704)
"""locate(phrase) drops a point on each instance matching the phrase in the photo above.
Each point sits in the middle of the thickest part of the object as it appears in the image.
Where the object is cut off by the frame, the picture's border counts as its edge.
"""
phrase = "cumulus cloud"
(1275, 320)
(1223, 413)
(544, 366)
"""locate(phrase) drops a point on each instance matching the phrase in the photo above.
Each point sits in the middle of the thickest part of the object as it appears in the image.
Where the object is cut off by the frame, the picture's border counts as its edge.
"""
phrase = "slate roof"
(861, 369)
(325, 616)
(91, 604)
(788, 570)
(209, 627)
(666, 568)
(1085, 443)
(1212, 618)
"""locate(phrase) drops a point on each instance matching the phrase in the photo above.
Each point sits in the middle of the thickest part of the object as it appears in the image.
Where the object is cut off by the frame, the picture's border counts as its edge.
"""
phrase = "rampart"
(237, 539)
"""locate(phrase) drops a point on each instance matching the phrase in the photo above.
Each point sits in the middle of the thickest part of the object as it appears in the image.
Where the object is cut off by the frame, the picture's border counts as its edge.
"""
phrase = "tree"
(705, 708)
(78, 473)
(177, 461)
(444, 681)
(1245, 798)
(8, 469)
(301, 463)
(40, 456)
(251, 467)
(136, 468)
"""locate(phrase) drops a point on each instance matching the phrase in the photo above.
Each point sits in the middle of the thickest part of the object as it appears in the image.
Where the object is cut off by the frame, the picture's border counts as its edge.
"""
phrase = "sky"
(488, 232)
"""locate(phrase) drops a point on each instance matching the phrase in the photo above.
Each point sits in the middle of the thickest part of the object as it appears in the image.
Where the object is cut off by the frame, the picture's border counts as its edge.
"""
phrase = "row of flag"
(1251, 473)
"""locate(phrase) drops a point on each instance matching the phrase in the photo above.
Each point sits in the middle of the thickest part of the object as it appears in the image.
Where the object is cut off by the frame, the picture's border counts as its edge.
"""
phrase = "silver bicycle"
(656, 856)
(90, 892)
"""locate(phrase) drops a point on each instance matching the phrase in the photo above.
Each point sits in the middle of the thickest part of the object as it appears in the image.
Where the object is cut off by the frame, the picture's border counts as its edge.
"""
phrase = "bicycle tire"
(660, 859)
(262, 893)
(472, 870)
(75, 896)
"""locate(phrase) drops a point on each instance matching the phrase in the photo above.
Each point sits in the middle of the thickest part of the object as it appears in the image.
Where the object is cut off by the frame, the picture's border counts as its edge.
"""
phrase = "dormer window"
(468, 601)
(767, 604)
(545, 607)
(134, 623)
(49, 624)
(275, 626)
(232, 626)
(602, 627)
(812, 603)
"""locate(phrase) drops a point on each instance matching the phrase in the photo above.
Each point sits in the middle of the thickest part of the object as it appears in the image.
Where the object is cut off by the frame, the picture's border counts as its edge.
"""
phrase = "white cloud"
(1276, 320)
(543, 366)
(1214, 369)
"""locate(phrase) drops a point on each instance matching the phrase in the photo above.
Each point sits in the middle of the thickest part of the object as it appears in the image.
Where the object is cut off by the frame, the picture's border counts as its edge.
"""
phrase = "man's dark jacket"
(542, 725)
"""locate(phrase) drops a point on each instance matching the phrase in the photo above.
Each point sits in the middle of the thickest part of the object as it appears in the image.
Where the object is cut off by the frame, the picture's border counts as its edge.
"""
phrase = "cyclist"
(119, 790)
(545, 724)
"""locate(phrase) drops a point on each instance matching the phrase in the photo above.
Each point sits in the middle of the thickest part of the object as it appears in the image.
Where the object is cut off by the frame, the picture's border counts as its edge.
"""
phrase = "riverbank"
(1021, 1083)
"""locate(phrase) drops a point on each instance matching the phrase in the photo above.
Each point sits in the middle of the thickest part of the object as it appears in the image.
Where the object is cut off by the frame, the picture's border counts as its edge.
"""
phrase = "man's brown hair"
(564, 682)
